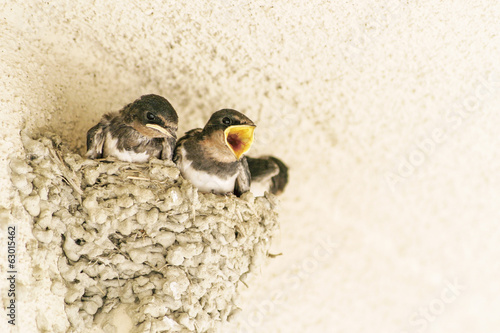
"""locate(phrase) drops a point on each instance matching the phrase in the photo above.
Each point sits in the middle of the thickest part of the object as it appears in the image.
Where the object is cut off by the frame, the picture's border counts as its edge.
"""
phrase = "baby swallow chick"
(268, 174)
(212, 158)
(141, 130)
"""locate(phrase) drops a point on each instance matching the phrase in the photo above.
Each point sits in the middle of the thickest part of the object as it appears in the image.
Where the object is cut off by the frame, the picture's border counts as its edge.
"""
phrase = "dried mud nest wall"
(139, 234)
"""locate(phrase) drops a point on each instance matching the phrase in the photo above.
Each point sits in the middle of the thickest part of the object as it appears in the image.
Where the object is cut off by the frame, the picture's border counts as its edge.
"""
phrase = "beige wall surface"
(387, 114)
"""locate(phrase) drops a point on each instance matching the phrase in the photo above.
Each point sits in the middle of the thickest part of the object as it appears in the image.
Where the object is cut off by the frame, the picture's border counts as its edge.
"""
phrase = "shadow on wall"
(71, 95)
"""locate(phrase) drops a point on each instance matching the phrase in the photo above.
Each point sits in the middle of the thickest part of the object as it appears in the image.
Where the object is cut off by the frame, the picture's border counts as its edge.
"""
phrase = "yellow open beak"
(239, 138)
(160, 129)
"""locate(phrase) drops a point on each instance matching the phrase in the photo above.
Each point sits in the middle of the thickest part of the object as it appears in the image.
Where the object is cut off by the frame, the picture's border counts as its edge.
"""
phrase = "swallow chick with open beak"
(268, 174)
(141, 130)
(212, 158)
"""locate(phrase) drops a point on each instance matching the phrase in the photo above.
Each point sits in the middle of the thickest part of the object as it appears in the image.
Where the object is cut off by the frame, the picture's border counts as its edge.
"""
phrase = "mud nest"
(141, 235)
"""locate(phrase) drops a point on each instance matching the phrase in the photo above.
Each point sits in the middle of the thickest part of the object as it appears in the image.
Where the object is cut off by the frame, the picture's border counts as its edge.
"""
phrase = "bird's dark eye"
(226, 121)
(150, 116)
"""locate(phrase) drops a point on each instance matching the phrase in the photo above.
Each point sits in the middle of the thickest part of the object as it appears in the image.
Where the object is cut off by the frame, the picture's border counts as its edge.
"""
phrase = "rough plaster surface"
(385, 112)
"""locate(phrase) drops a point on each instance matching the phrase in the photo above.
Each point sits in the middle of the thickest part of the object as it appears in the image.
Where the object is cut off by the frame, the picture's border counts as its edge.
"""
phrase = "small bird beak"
(165, 131)
(239, 138)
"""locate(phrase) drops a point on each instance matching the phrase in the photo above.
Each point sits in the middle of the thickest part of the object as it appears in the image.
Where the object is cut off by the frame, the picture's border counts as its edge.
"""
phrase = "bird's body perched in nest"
(212, 158)
(143, 129)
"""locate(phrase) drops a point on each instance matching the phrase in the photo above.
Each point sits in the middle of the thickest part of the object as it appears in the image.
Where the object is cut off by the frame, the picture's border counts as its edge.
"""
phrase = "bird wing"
(96, 136)
(177, 151)
(242, 183)
(168, 147)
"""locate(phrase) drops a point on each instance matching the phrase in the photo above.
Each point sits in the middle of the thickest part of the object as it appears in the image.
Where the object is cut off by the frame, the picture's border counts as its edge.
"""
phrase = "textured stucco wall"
(387, 114)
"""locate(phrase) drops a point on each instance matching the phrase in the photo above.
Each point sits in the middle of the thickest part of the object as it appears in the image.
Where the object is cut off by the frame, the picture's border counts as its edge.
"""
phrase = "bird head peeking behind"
(152, 116)
(230, 133)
